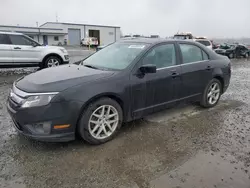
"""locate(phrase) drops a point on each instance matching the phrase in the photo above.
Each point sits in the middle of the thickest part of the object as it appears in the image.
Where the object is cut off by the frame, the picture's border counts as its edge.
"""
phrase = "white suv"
(18, 50)
(205, 42)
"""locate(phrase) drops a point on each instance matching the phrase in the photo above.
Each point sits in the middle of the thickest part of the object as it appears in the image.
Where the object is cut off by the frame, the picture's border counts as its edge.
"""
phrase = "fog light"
(40, 128)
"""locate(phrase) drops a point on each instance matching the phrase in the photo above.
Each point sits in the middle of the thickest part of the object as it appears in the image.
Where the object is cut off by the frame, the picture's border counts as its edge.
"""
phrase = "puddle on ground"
(206, 170)
(185, 111)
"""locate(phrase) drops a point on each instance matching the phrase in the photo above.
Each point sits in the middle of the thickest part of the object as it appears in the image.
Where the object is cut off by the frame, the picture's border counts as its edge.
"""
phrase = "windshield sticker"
(137, 46)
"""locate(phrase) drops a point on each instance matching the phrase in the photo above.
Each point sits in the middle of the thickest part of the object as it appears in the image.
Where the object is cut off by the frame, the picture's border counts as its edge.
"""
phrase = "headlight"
(39, 100)
(63, 51)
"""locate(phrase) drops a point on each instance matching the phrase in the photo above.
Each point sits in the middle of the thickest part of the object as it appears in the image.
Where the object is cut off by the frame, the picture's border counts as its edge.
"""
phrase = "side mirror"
(145, 69)
(34, 44)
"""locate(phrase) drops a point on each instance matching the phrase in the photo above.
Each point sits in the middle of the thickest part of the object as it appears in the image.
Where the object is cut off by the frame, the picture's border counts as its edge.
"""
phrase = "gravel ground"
(185, 147)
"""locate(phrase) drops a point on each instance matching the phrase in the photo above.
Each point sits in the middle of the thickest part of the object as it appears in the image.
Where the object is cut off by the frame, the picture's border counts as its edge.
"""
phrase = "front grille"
(17, 125)
(15, 101)
(13, 105)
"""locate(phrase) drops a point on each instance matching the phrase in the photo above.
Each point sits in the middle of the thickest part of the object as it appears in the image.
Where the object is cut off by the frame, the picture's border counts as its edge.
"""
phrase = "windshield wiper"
(91, 66)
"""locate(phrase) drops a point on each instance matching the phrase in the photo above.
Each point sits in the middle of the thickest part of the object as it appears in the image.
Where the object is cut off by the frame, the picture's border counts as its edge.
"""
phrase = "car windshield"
(116, 56)
(204, 42)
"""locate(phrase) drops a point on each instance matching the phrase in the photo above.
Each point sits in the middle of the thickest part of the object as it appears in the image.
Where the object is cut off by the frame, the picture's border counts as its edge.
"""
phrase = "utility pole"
(38, 31)
(56, 17)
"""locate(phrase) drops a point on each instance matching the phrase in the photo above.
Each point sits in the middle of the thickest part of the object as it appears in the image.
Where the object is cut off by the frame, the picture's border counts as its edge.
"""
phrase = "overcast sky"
(212, 18)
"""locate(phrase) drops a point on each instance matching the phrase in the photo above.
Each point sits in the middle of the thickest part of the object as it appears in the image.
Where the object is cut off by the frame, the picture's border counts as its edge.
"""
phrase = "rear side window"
(205, 56)
(20, 40)
(4, 39)
(190, 53)
(204, 42)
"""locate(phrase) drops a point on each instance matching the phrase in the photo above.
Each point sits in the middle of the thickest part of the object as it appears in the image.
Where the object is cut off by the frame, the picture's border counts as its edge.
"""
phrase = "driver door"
(155, 91)
(23, 50)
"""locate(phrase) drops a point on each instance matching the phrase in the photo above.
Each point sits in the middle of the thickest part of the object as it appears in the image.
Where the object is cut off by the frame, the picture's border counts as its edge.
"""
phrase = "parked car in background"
(90, 41)
(205, 42)
(100, 47)
(215, 45)
(18, 50)
(122, 82)
(183, 36)
(233, 50)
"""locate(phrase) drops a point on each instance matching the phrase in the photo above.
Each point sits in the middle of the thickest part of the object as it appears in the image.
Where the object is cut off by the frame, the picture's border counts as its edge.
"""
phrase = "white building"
(55, 33)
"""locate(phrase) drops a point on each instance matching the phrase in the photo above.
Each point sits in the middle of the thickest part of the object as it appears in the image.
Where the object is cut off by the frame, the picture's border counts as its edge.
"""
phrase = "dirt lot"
(186, 147)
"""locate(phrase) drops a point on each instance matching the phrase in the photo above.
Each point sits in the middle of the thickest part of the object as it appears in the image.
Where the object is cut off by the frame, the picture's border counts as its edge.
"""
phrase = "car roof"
(201, 40)
(10, 33)
(153, 40)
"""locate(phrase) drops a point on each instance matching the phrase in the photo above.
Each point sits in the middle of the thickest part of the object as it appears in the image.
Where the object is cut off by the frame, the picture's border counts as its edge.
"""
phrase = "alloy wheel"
(53, 63)
(213, 94)
(231, 56)
(103, 122)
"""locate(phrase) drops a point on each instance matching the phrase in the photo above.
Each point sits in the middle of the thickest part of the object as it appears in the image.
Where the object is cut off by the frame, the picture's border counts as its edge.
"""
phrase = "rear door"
(23, 50)
(5, 50)
(196, 70)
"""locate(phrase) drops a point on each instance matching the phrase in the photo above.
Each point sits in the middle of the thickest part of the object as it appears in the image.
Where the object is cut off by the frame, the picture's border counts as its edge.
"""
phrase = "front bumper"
(25, 120)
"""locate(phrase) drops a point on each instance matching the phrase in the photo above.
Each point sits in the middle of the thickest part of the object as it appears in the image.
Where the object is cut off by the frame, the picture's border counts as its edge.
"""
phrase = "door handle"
(208, 68)
(175, 74)
(17, 48)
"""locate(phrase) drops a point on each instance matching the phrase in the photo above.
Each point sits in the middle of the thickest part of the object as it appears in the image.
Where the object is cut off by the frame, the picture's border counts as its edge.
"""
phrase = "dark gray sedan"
(122, 82)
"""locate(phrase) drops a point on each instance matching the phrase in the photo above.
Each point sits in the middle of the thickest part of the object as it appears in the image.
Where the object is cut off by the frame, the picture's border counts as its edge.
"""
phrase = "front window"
(4, 39)
(161, 56)
(116, 56)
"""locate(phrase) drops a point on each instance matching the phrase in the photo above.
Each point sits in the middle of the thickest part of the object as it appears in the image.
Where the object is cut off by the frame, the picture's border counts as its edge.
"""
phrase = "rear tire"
(211, 94)
(231, 56)
(52, 61)
(100, 121)
(246, 55)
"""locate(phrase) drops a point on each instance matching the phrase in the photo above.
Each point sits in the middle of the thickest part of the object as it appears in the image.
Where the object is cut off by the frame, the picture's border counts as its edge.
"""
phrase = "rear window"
(4, 39)
(204, 42)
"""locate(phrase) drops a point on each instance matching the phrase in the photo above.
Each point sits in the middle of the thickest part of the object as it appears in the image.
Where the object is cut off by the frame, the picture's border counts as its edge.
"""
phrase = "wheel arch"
(113, 96)
(220, 78)
(51, 54)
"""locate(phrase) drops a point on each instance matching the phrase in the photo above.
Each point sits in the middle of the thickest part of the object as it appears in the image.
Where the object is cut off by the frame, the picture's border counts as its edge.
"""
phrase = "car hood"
(51, 47)
(60, 78)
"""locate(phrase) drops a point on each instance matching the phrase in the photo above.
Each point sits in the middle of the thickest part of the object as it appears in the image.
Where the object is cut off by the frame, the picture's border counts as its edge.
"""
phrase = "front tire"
(211, 94)
(100, 121)
(52, 61)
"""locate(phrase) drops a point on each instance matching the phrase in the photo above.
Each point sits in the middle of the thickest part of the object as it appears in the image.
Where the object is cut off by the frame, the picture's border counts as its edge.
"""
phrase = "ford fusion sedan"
(122, 82)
